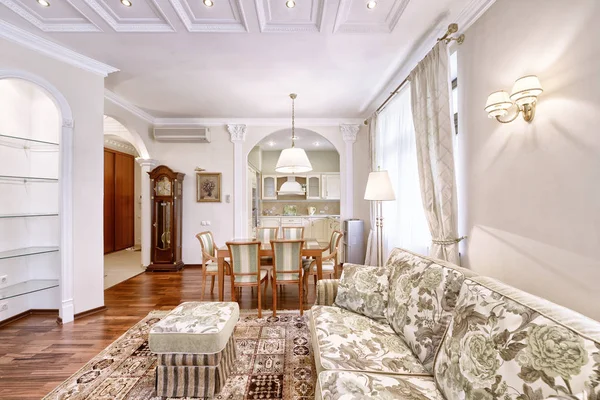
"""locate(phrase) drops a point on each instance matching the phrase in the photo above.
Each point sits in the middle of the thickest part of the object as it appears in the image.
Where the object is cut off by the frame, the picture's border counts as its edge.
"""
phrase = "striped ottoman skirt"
(194, 375)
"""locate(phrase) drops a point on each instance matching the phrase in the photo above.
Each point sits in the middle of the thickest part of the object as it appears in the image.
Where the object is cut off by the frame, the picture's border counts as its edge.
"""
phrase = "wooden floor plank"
(36, 354)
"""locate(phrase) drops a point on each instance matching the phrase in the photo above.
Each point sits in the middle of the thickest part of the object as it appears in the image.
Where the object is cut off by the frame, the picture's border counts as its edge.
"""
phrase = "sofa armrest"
(326, 292)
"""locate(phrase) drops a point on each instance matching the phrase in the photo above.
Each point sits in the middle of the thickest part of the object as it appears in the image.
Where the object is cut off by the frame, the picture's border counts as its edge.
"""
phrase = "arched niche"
(66, 307)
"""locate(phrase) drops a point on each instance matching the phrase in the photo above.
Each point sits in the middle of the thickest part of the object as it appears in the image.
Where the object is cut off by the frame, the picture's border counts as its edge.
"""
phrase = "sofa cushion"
(504, 343)
(423, 293)
(349, 341)
(359, 385)
(364, 290)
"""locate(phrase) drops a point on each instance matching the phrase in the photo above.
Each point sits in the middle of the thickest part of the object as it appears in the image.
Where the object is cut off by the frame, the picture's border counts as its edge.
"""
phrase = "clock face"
(163, 187)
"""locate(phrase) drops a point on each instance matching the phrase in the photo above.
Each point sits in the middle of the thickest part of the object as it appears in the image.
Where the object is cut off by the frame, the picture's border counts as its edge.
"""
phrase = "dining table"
(312, 248)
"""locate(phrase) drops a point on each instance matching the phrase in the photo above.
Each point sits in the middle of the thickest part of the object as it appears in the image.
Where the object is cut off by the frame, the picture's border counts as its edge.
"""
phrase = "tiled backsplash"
(276, 207)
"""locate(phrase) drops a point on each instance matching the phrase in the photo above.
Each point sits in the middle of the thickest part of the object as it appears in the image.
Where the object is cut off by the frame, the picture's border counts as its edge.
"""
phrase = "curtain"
(404, 223)
(371, 256)
(430, 92)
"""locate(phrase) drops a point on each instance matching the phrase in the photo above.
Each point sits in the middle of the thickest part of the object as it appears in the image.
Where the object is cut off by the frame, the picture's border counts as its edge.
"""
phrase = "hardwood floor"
(36, 354)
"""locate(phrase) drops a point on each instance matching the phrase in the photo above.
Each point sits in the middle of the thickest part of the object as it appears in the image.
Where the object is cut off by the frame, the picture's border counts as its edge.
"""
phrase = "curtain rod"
(452, 28)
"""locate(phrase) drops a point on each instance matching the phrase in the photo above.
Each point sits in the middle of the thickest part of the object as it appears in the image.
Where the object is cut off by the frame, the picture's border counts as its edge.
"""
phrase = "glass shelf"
(26, 179)
(27, 287)
(5, 216)
(27, 251)
(27, 143)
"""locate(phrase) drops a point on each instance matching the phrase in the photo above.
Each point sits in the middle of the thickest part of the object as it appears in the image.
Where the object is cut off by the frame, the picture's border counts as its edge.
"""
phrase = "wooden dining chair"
(293, 232)
(210, 266)
(287, 268)
(329, 263)
(245, 268)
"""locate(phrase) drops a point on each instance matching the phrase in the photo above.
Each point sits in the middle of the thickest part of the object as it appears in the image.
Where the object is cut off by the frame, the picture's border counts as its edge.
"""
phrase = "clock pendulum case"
(166, 197)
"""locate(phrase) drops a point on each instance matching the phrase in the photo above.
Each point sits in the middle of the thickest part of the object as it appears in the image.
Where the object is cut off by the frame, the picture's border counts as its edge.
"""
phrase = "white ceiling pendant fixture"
(293, 160)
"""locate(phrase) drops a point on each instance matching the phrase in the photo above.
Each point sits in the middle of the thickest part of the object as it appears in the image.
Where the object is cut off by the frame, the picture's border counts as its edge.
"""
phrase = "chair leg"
(301, 297)
(233, 297)
(203, 282)
(259, 300)
(274, 290)
(315, 279)
(212, 284)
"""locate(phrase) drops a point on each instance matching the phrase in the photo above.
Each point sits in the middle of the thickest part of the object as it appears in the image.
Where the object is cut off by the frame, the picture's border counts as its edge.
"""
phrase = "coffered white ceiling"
(241, 58)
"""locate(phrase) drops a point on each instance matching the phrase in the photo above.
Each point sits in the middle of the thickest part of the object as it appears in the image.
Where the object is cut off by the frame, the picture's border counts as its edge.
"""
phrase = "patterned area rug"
(275, 361)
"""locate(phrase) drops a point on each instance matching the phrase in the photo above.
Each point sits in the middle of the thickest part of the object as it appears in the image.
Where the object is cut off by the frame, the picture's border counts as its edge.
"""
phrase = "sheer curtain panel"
(404, 222)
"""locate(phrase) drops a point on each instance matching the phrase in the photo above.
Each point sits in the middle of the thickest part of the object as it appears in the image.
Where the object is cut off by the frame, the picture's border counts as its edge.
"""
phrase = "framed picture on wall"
(208, 187)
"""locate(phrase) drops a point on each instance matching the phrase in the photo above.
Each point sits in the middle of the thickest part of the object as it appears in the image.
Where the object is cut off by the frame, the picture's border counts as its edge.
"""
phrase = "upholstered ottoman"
(195, 349)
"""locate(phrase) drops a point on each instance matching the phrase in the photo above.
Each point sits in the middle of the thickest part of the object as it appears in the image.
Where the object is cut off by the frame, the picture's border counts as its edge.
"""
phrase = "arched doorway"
(37, 137)
(317, 207)
(122, 203)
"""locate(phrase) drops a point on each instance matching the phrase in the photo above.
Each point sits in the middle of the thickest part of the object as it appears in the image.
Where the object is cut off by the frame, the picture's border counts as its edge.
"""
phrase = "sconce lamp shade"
(497, 104)
(526, 90)
(293, 161)
(379, 187)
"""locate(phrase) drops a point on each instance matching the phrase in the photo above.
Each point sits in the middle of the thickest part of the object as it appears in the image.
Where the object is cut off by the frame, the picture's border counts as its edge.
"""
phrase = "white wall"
(531, 195)
(84, 92)
(321, 161)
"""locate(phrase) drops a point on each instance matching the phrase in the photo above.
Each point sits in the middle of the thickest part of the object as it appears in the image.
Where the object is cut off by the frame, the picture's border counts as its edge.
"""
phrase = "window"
(404, 219)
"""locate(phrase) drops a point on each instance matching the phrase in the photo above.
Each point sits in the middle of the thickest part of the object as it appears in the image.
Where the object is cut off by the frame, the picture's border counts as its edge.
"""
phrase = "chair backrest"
(287, 256)
(265, 235)
(334, 241)
(293, 232)
(207, 242)
(245, 257)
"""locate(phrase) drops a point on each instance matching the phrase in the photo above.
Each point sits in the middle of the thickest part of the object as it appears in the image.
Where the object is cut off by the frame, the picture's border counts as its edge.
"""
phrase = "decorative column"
(349, 133)
(66, 313)
(237, 134)
(146, 165)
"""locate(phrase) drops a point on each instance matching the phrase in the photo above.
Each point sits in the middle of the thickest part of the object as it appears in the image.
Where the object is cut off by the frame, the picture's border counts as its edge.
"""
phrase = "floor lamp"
(379, 188)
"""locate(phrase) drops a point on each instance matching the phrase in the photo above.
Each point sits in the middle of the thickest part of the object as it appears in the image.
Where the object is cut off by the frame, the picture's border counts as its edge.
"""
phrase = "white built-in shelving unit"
(29, 200)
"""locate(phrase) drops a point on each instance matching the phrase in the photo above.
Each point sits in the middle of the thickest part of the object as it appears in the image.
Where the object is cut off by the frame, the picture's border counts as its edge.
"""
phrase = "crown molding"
(53, 50)
(127, 105)
(304, 122)
(469, 14)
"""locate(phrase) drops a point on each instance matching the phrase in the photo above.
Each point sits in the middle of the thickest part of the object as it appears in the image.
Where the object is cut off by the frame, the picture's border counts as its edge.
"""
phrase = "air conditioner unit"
(182, 134)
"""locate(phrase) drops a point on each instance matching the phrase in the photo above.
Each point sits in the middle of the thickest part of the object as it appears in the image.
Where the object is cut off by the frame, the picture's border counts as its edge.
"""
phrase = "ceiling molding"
(53, 50)
(279, 122)
(343, 23)
(127, 105)
(193, 24)
(124, 25)
(45, 24)
(115, 144)
(267, 24)
(473, 11)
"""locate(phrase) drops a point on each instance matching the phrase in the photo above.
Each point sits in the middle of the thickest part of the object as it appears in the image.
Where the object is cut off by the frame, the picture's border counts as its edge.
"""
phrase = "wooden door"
(124, 201)
(119, 201)
(109, 201)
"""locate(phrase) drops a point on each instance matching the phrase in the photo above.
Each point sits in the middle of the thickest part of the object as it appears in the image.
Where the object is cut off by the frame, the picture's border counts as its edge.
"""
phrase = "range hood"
(291, 187)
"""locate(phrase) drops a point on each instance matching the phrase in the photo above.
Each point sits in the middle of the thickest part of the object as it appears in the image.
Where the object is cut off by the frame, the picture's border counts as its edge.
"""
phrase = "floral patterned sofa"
(421, 328)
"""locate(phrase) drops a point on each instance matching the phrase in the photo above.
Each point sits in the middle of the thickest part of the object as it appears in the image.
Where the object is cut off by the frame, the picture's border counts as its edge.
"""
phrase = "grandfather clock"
(166, 193)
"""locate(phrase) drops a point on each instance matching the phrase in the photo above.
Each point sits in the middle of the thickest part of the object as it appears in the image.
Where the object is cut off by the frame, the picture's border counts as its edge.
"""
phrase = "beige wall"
(530, 194)
(84, 92)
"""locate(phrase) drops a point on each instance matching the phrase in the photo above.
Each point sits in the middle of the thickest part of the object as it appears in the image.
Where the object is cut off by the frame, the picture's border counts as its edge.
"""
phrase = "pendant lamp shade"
(291, 187)
(293, 161)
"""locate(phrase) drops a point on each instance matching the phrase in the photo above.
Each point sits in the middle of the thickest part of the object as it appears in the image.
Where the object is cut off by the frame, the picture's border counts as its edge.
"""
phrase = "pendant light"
(294, 159)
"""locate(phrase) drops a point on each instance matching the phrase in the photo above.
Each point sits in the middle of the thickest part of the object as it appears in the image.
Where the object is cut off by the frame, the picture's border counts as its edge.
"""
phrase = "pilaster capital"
(349, 132)
(146, 162)
(237, 132)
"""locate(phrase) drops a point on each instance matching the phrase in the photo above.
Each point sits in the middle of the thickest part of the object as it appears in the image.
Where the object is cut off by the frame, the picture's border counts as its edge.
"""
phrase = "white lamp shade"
(526, 90)
(292, 161)
(379, 187)
(497, 104)
(291, 187)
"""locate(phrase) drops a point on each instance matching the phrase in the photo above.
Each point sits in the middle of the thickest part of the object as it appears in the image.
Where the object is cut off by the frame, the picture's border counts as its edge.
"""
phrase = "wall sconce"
(524, 95)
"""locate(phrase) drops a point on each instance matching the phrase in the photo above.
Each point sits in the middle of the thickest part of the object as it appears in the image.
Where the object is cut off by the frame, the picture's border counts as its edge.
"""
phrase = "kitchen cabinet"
(269, 187)
(270, 222)
(313, 186)
(318, 228)
(331, 186)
